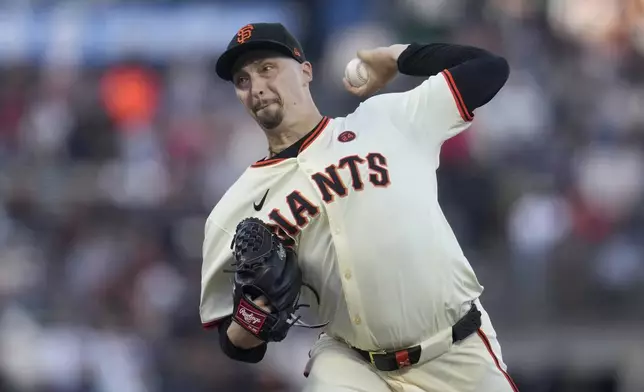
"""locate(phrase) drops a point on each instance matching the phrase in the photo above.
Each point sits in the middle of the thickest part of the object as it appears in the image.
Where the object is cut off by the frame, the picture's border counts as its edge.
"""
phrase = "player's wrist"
(396, 50)
(241, 338)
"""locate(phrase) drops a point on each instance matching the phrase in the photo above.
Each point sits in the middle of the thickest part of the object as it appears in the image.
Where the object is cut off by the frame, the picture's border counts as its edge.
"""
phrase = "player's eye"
(241, 80)
(267, 67)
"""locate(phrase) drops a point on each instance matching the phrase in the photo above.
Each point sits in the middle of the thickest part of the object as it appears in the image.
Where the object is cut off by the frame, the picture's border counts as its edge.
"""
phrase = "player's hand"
(241, 338)
(382, 65)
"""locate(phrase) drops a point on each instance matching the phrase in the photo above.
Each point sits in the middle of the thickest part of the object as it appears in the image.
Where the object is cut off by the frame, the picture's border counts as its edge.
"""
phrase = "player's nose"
(258, 92)
(258, 86)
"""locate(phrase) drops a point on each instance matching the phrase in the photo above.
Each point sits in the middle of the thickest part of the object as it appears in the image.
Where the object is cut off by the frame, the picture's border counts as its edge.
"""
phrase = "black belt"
(387, 361)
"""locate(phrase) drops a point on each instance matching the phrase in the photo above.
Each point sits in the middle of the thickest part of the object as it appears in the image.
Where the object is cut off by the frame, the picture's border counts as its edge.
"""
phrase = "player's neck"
(290, 131)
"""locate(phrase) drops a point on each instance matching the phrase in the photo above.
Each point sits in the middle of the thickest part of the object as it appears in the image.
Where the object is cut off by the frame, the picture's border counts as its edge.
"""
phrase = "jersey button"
(357, 320)
(337, 231)
(347, 274)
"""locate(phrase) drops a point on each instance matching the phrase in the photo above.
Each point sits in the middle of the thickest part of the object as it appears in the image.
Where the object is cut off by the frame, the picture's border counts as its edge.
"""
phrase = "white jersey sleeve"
(430, 113)
(216, 286)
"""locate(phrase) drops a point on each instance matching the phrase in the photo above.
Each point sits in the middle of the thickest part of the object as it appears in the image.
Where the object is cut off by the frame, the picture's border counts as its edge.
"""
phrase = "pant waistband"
(427, 350)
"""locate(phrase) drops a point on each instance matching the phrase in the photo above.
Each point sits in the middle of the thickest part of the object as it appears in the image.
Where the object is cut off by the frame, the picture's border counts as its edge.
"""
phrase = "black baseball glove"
(264, 267)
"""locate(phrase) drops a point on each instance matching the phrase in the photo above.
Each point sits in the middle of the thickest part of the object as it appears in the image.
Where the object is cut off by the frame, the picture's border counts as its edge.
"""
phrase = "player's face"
(270, 86)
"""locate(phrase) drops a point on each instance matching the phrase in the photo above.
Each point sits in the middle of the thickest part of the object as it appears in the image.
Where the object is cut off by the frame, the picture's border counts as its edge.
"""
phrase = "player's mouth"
(263, 105)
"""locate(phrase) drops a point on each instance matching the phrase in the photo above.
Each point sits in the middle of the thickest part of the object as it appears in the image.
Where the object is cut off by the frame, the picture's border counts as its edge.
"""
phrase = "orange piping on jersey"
(315, 134)
(487, 344)
(465, 114)
(318, 130)
(267, 162)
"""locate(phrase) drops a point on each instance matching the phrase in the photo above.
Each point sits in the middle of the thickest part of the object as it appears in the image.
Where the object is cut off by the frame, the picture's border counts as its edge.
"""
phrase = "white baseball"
(356, 73)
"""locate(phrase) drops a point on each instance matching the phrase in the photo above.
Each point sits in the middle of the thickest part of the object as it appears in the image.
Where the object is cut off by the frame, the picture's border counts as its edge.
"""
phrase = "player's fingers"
(348, 85)
(359, 91)
(365, 55)
(262, 302)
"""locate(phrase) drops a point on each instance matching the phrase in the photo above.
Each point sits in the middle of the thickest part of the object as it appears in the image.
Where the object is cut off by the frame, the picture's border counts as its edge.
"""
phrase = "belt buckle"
(372, 354)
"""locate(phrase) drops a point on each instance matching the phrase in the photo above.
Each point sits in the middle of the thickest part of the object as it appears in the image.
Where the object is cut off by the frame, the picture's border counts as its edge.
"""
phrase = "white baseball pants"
(474, 364)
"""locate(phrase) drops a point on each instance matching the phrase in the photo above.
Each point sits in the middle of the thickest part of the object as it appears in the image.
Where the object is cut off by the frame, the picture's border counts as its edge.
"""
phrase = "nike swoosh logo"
(261, 203)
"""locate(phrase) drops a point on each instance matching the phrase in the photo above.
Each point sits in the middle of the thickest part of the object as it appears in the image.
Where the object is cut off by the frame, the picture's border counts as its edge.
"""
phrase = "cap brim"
(227, 60)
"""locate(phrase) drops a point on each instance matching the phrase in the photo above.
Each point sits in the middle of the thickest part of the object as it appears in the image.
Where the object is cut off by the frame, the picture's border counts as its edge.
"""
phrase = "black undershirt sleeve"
(252, 355)
(477, 73)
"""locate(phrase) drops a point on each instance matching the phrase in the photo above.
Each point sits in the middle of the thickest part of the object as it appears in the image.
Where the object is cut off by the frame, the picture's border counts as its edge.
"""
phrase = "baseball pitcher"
(343, 214)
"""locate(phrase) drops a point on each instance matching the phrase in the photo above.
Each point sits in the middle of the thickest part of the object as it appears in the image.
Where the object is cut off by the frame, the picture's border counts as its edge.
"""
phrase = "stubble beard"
(270, 117)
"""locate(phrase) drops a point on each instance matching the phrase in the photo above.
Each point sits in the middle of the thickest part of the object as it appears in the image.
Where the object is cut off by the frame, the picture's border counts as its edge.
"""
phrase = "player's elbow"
(497, 70)
(503, 69)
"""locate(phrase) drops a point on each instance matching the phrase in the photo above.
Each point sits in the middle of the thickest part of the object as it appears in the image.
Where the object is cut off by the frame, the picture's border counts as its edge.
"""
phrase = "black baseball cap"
(258, 36)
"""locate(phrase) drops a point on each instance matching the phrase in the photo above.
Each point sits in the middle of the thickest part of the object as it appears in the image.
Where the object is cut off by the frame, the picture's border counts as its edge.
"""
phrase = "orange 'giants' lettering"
(277, 217)
(378, 164)
(299, 206)
(330, 182)
(352, 161)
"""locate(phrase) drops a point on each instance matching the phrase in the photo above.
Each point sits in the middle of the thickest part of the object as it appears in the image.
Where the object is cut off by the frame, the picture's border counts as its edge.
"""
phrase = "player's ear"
(307, 71)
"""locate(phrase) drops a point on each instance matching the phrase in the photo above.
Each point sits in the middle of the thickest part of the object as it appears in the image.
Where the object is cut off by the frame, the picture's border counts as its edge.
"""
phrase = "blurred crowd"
(110, 169)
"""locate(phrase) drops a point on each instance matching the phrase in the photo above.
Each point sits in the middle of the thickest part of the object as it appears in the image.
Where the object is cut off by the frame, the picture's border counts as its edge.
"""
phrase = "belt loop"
(373, 353)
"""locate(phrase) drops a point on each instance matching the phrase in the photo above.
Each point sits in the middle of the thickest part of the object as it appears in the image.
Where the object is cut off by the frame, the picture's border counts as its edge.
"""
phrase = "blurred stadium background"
(116, 140)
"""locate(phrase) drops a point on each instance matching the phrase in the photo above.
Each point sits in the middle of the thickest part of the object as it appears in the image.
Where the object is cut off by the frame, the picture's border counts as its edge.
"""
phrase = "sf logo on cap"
(244, 33)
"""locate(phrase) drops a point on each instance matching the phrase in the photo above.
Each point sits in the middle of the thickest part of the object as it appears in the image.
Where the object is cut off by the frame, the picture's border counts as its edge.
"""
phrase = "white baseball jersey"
(360, 203)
